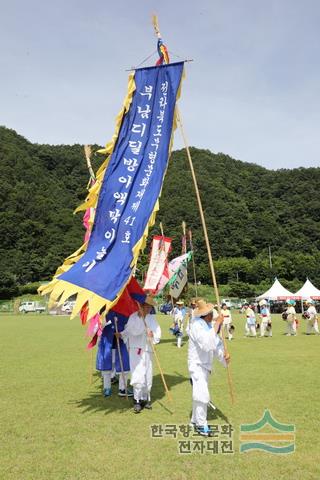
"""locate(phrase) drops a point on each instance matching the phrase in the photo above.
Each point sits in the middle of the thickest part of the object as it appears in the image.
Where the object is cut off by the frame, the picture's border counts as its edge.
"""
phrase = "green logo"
(281, 441)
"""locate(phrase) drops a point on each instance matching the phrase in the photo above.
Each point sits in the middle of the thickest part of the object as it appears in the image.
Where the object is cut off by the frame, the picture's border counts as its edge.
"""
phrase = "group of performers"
(125, 348)
(289, 315)
(256, 324)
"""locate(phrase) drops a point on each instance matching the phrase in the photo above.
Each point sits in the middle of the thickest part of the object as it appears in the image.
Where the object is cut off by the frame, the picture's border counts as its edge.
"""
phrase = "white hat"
(309, 300)
(262, 302)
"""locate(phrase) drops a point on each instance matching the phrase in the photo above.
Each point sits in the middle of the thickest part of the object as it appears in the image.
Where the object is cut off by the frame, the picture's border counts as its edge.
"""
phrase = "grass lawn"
(56, 425)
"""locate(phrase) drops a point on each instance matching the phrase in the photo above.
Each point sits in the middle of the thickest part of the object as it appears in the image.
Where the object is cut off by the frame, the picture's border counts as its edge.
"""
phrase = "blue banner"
(131, 184)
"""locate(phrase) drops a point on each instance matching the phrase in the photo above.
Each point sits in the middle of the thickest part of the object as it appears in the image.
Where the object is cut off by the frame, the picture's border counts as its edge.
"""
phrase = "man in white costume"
(204, 345)
(141, 329)
(250, 326)
(311, 317)
(291, 318)
(265, 315)
(227, 321)
(178, 319)
(190, 315)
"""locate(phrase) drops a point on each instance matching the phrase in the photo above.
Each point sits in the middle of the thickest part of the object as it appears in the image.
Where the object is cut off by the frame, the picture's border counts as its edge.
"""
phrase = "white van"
(31, 307)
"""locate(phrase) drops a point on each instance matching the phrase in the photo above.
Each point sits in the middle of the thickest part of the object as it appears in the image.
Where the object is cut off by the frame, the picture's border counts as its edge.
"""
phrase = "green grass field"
(56, 425)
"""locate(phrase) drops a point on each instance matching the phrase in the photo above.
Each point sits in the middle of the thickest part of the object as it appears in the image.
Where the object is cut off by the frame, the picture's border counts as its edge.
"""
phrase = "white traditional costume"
(227, 321)
(250, 322)
(291, 318)
(178, 319)
(265, 315)
(204, 345)
(312, 320)
(140, 353)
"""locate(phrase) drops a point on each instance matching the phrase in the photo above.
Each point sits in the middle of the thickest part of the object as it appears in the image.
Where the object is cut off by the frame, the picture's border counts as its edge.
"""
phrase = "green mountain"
(247, 207)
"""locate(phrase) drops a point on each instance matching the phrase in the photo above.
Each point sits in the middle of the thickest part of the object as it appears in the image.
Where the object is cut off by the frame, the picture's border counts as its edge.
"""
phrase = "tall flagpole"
(193, 262)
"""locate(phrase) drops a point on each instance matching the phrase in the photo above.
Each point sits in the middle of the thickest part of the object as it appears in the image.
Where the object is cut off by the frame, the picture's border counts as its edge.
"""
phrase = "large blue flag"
(131, 185)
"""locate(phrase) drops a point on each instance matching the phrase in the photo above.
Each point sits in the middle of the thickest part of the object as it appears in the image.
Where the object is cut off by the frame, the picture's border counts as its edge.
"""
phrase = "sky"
(252, 90)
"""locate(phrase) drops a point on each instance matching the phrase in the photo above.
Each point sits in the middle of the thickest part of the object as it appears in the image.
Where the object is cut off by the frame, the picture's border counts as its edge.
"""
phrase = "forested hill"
(248, 208)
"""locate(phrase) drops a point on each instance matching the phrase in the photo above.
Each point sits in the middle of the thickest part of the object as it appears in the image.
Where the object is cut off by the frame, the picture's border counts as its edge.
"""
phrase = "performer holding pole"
(204, 345)
(165, 59)
(140, 333)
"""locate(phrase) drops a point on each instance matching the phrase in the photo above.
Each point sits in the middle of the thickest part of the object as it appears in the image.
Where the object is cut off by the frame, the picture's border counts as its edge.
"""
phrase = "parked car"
(67, 307)
(227, 302)
(166, 308)
(31, 307)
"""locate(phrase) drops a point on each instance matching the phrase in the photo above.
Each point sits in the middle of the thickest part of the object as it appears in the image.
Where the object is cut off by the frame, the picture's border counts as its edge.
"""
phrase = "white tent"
(308, 290)
(276, 292)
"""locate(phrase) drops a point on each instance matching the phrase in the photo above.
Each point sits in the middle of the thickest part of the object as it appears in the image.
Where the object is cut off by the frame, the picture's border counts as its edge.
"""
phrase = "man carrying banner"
(141, 329)
(178, 314)
(204, 345)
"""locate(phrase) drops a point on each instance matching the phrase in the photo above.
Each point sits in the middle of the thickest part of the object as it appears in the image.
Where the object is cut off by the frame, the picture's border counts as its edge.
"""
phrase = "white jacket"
(134, 333)
(204, 345)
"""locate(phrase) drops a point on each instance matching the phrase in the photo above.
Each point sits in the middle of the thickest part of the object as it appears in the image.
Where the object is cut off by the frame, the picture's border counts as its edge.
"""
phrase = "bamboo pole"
(204, 226)
(193, 263)
(87, 154)
(91, 367)
(120, 358)
(158, 362)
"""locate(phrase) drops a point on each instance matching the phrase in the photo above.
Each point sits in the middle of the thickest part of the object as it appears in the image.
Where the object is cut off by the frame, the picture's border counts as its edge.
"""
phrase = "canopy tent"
(308, 290)
(276, 292)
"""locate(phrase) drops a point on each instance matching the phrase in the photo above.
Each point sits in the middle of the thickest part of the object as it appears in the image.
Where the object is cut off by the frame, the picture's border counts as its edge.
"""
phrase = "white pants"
(106, 376)
(141, 373)
(179, 342)
(263, 329)
(227, 333)
(200, 395)
(312, 325)
(292, 328)
(250, 330)
(199, 413)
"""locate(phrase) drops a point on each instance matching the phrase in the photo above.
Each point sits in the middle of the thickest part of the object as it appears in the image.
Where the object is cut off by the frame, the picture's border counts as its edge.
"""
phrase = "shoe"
(205, 431)
(122, 393)
(114, 380)
(137, 407)
(107, 392)
(146, 404)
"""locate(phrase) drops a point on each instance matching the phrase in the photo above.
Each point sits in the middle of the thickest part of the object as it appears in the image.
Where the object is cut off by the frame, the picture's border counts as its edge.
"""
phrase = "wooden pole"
(204, 226)
(158, 362)
(87, 154)
(91, 367)
(193, 263)
(120, 358)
